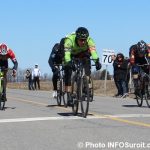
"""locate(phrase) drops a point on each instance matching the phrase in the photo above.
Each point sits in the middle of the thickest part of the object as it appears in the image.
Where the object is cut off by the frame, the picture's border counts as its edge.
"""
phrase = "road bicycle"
(61, 95)
(82, 88)
(142, 86)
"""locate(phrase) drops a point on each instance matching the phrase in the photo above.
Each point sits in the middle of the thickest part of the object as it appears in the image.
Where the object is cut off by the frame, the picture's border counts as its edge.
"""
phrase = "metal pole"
(105, 86)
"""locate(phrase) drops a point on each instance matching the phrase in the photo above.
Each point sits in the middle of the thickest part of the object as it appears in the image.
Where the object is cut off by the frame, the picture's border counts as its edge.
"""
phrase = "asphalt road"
(33, 121)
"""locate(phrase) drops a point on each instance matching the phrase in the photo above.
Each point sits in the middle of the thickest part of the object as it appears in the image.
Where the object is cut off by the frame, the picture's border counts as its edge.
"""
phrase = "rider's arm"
(11, 55)
(67, 47)
(92, 49)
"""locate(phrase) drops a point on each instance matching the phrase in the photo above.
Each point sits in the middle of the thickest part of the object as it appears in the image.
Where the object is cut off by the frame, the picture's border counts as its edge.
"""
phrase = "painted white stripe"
(45, 118)
(73, 118)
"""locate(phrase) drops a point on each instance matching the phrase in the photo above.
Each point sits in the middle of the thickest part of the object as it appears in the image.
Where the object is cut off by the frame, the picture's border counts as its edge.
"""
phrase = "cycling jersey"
(4, 59)
(136, 57)
(72, 48)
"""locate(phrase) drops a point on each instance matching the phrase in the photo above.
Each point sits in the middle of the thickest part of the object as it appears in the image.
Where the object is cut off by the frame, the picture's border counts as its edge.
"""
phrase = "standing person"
(5, 54)
(113, 57)
(120, 70)
(36, 77)
(79, 45)
(30, 80)
(54, 60)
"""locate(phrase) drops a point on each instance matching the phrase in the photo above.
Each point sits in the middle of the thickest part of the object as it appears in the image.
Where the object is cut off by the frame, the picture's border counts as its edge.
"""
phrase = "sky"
(32, 27)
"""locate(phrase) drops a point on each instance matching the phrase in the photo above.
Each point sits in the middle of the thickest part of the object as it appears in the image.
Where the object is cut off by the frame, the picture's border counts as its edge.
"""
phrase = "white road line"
(73, 118)
(45, 118)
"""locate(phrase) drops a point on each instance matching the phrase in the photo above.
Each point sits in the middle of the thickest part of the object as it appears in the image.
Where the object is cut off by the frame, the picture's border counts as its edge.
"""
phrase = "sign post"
(107, 60)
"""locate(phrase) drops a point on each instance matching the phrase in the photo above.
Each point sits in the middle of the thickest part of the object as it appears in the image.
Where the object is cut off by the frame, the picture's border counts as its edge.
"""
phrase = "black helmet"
(141, 45)
(82, 33)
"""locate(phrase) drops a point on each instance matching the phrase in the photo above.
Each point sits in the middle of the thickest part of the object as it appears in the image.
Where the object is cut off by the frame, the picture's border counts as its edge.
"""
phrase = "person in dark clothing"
(55, 58)
(30, 80)
(139, 55)
(120, 74)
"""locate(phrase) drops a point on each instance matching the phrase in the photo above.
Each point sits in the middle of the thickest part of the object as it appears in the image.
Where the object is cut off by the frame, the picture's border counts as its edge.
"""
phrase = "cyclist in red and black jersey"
(139, 55)
(5, 54)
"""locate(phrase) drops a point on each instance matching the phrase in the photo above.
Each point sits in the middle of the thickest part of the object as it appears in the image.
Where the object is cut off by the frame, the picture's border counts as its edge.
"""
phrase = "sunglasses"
(82, 40)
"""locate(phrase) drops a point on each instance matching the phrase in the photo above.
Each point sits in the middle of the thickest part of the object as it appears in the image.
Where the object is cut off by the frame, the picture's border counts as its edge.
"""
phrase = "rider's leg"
(68, 73)
(54, 80)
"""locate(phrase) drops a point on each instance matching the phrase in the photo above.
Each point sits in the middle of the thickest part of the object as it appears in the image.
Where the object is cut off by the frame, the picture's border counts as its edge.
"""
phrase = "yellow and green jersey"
(71, 47)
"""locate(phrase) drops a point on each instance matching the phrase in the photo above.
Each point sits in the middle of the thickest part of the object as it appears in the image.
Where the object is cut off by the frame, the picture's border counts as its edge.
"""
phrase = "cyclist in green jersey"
(79, 45)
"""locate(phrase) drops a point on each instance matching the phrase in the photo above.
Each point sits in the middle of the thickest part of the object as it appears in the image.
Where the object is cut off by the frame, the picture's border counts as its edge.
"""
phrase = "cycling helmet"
(82, 33)
(142, 46)
(3, 49)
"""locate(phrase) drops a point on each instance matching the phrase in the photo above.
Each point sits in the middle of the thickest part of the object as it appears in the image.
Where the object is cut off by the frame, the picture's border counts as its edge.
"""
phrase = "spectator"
(30, 80)
(36, 77)
(113, 57)
(120, 72)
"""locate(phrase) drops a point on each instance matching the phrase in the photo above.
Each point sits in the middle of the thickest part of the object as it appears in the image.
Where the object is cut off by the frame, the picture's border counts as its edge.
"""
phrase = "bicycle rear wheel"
(84, 97)
(74, 96)
(59, 92)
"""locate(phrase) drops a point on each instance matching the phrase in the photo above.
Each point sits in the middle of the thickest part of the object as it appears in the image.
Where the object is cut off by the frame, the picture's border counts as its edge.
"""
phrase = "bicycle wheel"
(74, 96)
(65, 96)
(59, 92)
(147, 94)
(84, 97)
(139, 97)
(91, 89)
(2, 101)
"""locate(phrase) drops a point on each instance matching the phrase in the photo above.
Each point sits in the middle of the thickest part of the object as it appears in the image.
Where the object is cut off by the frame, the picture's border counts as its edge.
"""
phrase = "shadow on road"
(133, 106)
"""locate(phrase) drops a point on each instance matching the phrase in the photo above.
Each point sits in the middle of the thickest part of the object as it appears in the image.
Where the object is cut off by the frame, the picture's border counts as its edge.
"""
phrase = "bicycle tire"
(84, 97)
(147, 95)
(74, 96)
(139, 98)
(59, 92)
(91, 89)
(65, 98)
(2, 103)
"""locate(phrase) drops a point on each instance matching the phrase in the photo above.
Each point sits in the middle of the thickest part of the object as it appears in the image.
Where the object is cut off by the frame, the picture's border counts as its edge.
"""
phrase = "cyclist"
(55, 58)
(5, 54)
(79, 45)
(139, 55)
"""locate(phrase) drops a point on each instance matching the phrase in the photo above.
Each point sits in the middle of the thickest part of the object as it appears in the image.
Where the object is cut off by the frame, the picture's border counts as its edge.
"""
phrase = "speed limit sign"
(107, 56)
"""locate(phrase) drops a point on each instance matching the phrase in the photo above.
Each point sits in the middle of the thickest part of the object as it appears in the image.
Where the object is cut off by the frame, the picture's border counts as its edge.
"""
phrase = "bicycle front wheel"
(2, 101)
(91, 89)
(74, 96)
(2, 105)
(139, 97)
(85, 98)
(59, 92)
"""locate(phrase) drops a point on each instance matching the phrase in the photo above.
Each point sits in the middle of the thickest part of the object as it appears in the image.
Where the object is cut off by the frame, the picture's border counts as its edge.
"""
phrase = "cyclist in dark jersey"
(55, 58)
(139, 55)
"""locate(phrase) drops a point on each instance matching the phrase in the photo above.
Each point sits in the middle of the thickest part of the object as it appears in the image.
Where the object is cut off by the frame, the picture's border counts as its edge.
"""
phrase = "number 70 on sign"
(107, 56)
